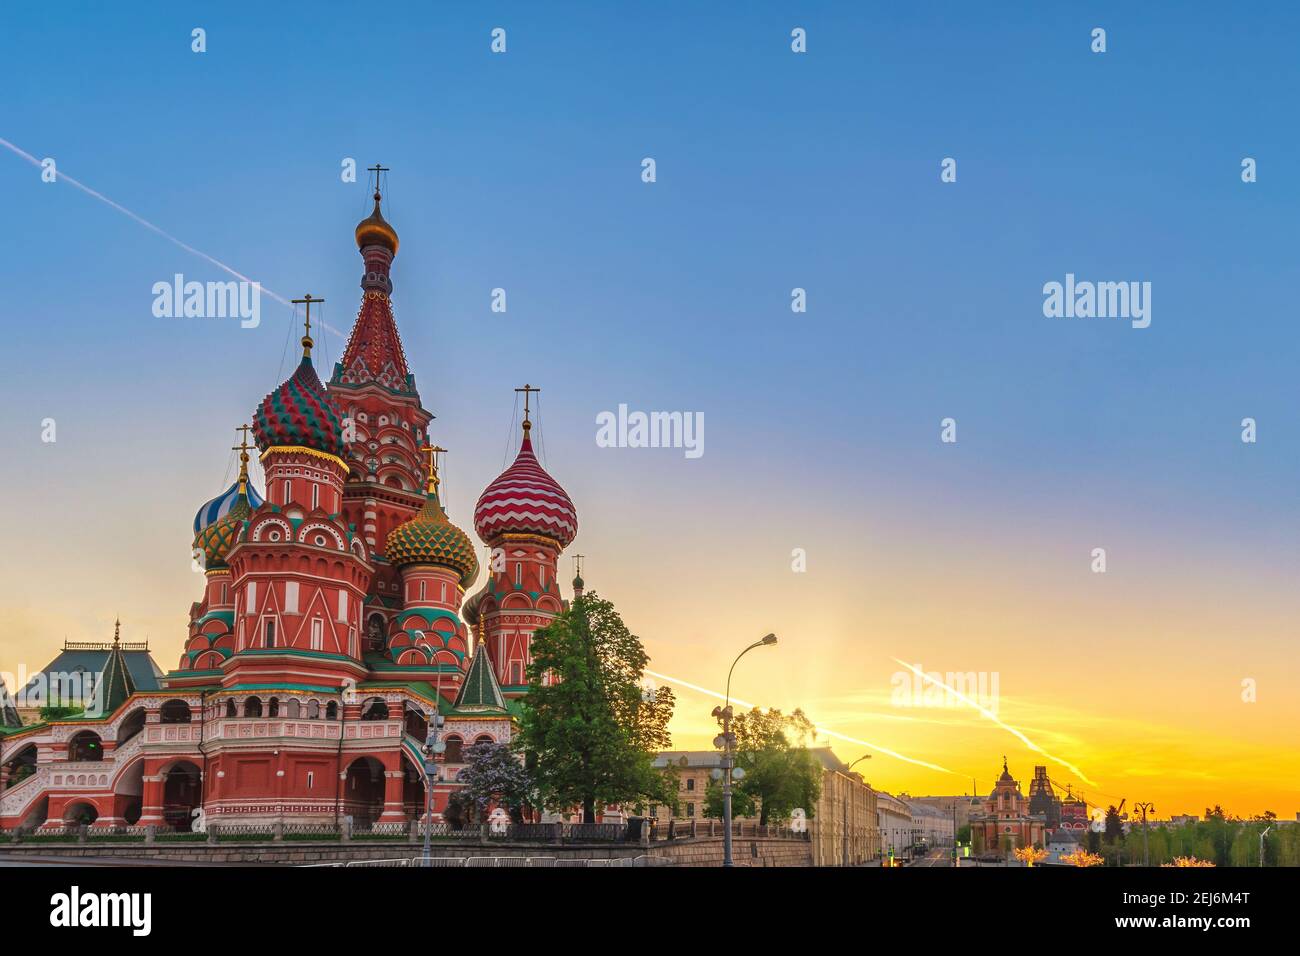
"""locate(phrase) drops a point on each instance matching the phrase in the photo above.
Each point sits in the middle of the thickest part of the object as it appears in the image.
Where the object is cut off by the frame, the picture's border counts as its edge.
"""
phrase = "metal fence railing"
(497, 862)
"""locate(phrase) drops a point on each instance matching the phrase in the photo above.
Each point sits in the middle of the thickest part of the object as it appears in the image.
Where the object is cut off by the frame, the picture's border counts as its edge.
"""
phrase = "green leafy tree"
(1114, 828)
(780, 772)
(591, 727)
(742, 804)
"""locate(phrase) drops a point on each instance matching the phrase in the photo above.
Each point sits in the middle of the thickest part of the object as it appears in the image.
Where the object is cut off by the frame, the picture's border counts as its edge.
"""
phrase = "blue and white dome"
(220, 506)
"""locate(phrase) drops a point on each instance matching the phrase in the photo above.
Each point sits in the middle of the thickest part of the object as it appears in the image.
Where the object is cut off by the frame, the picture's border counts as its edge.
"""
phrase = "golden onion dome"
(430, 538)
(374, 230)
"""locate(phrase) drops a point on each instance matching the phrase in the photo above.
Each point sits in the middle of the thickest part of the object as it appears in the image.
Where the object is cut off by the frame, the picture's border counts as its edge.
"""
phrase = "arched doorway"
(85, 746)
(80, 813)
(363, 792)
(128, 793)
(182, 793)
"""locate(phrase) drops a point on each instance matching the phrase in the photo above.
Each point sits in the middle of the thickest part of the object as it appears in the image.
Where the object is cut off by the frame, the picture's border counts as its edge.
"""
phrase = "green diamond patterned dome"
(218, 538)
(430, 538)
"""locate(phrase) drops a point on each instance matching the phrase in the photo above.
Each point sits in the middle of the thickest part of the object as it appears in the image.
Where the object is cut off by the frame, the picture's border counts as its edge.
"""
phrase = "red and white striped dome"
(524, 499)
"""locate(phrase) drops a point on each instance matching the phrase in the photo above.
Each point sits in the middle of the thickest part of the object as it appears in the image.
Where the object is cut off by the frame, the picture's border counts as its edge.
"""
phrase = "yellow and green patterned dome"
(430, 538)
(217, 539)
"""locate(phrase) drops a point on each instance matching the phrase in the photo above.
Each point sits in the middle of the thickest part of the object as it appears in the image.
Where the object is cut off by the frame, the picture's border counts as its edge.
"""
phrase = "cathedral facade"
(333, 630)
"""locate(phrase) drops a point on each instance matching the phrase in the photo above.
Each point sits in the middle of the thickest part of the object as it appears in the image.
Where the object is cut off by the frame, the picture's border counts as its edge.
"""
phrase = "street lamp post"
(433, 748)
(727, 741)
(1145, 808)
(847, 797)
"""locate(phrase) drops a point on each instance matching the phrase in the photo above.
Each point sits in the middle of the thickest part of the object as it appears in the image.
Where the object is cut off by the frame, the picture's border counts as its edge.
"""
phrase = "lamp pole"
(432, 749)
(727, 740)
(847, 797)
(1145, 808)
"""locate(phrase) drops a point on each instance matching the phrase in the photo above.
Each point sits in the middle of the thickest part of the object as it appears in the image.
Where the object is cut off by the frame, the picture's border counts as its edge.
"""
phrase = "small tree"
(780, 773)
(494, 775)
(1114, 828)
(742, 804)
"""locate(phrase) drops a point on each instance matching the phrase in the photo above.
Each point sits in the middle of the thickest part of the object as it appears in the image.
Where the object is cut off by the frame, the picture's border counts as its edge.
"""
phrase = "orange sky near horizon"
(1134, 679)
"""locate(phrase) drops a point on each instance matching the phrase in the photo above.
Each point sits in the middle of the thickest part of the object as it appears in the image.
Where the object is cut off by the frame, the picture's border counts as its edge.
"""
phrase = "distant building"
(1061, 843)
(1006, 822)
(845, 829)
(897, 829)
(931, 826)
(694, 771)
(1043, 800)
(959, 808)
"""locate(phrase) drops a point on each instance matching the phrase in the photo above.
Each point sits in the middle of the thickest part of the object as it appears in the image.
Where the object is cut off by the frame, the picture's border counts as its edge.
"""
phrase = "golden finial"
(307, 343)
(242, 448)
(432, 451)
(527, 390)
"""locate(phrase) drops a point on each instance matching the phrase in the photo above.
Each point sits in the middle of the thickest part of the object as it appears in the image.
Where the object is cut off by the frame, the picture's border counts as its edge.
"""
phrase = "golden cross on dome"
(306, 339)
(527, 390)
(577, 564)
(242, 448)
(377, 169)
(432, 451)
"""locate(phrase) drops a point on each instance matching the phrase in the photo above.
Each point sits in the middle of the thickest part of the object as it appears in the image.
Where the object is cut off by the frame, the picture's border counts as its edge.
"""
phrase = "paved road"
(936, 857)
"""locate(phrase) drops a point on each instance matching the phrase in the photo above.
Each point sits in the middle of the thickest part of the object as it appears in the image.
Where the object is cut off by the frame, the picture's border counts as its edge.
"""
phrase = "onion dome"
(218, 538)
(431, 538)
(524, 499)
(216, 509)
(300, 413)
(374, 230)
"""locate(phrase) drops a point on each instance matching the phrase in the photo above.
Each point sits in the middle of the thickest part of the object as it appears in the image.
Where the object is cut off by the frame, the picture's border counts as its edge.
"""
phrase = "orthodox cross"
(242, 448)
(432, 451)
(377, 169)
(117, 630)
(527, 390)
(306, 339)
(577, 564)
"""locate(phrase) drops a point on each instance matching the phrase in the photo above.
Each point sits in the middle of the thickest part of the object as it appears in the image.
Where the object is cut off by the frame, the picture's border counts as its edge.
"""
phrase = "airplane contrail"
(678, 682)
(64, 177)
(994, 717)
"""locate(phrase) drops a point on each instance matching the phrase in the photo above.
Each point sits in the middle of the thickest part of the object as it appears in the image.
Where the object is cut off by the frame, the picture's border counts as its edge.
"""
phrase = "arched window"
(85, 746)
(273, 707)
(484, 739)
(253, 707)
(294, 709)
(174, 712)
(332, 711)
(454, 745)
(313, 709)
(374, 709)
(231, 711)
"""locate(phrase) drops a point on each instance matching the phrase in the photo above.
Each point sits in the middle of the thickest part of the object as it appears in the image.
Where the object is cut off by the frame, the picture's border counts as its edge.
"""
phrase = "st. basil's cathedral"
(333, 623)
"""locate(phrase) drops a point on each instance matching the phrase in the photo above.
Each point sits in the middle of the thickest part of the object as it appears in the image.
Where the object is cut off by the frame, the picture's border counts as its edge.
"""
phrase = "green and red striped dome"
(300, 413)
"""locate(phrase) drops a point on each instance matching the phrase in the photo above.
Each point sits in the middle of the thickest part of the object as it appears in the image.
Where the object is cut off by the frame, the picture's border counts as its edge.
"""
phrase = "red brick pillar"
(394, 808)
(151, 800)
